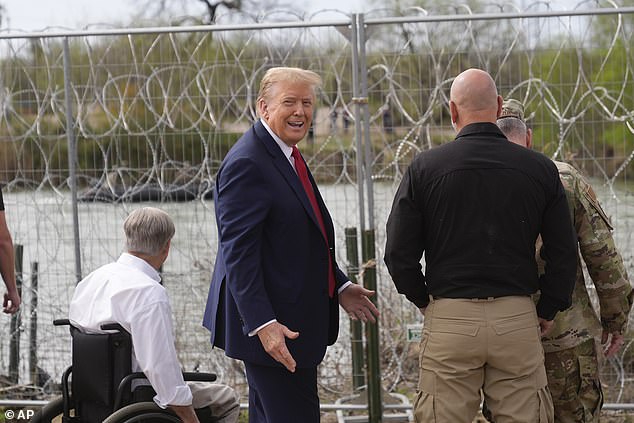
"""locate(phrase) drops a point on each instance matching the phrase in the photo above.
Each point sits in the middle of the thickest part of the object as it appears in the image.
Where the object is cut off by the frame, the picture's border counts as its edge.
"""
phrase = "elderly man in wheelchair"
(122, 330)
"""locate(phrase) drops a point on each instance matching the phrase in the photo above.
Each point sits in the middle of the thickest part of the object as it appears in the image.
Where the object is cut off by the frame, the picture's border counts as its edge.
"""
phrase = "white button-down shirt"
(129, 292)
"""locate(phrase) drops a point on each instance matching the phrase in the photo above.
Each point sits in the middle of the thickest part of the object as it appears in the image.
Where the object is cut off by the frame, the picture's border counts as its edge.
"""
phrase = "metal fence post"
(16, 321)
(33, 328)
(368, 148)
(356, 334)
(365, 187)
(358, 133)
(72, 157)
(375, 406)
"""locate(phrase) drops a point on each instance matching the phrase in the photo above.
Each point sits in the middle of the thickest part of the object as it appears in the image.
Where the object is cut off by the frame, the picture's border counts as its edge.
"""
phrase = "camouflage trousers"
(573, 379)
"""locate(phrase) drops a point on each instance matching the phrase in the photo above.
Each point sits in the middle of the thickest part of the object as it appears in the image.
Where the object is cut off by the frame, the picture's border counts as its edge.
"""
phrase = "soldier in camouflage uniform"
(571, 347)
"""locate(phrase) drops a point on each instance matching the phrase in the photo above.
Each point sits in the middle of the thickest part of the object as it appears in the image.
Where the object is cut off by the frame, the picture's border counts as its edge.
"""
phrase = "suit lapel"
(285, 168)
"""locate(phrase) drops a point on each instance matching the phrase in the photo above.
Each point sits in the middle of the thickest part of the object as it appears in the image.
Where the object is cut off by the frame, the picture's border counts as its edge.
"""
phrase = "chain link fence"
(146, 116)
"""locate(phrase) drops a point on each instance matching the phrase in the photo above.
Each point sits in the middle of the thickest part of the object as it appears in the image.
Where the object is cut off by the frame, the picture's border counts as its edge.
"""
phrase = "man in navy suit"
(276, 286)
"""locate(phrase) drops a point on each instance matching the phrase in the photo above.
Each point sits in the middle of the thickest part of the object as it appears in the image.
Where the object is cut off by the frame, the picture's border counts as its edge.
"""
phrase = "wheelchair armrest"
(199, 377)
(105, 326)
(113, 326)
(124, 386)
(61, 322)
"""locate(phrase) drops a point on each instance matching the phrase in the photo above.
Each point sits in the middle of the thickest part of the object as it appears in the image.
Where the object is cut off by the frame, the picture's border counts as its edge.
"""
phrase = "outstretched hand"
(273, 339)
(355, 300)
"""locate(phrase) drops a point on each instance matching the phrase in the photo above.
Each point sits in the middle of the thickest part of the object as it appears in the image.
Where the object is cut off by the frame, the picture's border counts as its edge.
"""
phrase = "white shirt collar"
(283, 146)
(139, 264)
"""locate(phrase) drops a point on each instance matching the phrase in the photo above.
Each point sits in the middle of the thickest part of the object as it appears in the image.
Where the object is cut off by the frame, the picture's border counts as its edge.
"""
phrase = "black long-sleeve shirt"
(475, 207)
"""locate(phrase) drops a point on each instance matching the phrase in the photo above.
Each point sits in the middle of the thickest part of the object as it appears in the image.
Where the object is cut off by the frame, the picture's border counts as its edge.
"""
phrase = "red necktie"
(302, 172)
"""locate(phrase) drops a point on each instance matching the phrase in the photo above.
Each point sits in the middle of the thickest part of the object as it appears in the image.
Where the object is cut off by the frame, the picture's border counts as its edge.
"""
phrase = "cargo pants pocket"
(425, 403)
(424, 407)
(590, 392)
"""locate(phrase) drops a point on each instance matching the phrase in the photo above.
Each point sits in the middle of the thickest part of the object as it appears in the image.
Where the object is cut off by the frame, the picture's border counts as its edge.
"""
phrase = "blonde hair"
(285, 74)
(148, 230)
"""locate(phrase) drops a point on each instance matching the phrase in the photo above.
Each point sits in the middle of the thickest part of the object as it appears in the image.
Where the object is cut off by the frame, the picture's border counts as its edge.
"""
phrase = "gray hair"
(294, 75)
(148, 230)
(512, 127)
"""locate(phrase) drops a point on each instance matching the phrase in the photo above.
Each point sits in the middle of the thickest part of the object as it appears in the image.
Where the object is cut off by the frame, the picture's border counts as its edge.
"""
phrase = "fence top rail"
(176, 29)
(314, 24)
(497, 16)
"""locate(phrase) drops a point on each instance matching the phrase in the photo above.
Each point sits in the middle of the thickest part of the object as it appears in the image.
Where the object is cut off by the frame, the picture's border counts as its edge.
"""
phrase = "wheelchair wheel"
(138, 412)
(50, 411)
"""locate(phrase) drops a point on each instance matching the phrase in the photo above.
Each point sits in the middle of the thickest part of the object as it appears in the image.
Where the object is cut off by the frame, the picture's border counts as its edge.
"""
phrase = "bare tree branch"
(211, 7)
(156, 9)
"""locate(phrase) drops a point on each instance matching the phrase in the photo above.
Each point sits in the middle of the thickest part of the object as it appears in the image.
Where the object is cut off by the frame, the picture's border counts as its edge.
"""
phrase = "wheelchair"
(97, 386)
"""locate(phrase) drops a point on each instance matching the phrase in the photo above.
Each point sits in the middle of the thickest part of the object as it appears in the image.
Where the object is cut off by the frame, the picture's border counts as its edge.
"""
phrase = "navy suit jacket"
(272, 260)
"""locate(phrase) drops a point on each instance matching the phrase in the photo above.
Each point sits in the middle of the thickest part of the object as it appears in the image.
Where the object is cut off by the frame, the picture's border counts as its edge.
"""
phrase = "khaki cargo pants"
(493, 344)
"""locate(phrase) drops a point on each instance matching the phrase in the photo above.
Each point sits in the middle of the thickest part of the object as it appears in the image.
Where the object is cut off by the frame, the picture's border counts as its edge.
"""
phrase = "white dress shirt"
(129, 292)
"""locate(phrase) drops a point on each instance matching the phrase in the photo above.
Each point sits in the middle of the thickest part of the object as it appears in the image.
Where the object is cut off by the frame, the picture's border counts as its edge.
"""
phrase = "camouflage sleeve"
(604, 263)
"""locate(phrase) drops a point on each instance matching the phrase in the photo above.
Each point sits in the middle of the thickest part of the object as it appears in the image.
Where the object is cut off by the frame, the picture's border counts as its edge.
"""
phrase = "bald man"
(475, 208)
